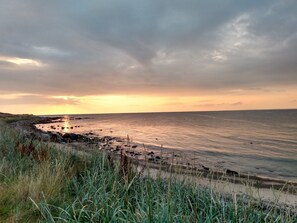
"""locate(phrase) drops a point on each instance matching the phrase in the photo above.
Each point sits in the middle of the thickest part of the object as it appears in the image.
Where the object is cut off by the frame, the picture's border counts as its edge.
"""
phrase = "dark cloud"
(141, 47)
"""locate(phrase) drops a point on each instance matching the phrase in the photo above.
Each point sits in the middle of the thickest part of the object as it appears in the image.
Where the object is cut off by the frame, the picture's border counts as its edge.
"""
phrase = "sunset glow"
(94, 95)
(183, 57)
(144, 103)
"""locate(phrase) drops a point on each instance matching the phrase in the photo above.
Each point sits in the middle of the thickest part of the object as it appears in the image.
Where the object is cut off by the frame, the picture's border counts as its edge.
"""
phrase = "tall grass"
(40, 171)
(102, 194)
(55, 186)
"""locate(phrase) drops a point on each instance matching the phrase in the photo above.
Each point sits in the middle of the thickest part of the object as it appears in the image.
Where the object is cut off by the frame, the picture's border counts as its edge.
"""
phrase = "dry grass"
(31, 170)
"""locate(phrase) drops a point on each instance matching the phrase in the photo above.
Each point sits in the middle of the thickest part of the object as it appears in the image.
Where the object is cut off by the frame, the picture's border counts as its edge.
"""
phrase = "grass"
(39, 183)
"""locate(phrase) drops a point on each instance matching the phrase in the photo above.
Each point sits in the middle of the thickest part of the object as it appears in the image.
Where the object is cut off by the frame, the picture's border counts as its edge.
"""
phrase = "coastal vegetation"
(40, 182)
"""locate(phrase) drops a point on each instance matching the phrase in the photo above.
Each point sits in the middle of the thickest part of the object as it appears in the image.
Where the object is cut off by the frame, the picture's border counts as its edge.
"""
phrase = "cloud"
(50, 51)
(147, 47)
(22, 62)
(220, 104)
(37, 100)
(5, 64)
(237, 103)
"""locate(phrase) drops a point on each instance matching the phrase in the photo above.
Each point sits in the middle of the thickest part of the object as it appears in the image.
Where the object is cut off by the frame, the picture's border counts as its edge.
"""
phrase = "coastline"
(157, 161)
(48, 170)
(245, 143)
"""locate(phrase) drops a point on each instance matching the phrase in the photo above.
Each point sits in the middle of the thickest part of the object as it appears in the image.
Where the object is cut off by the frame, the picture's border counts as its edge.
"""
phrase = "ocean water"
(261, 143)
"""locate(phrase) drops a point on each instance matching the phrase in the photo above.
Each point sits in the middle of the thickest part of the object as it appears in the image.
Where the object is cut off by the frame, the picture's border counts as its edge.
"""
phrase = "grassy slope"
(39, 183)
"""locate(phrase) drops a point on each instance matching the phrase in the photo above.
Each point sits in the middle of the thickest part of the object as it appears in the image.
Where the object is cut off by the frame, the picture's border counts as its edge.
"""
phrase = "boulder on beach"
(152, 159)
(150, 153)
(107, 138)
(205, 168)
(71, 136)
(231, 172)
(45, 136)
(55, 137)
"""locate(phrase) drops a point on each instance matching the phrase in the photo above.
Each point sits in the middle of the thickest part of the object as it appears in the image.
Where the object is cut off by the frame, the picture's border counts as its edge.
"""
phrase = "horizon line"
(152, 112)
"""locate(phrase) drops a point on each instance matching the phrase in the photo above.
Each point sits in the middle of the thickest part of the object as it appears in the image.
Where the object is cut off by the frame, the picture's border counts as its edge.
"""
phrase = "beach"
(261, 143)
(45, 173)
(159, 158)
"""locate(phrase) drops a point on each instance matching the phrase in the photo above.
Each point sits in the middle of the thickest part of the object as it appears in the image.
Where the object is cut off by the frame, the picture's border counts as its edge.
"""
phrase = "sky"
(73, 56)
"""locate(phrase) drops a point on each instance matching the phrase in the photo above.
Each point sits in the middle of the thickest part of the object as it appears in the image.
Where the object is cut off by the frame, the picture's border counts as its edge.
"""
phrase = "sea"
(258, 142)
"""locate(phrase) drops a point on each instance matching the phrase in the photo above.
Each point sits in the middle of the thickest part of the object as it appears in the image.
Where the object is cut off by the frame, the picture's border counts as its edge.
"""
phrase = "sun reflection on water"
(66, 123)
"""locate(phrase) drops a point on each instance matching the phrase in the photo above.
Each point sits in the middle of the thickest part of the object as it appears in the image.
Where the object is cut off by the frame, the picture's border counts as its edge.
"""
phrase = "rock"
(118, 148)
(56, 138)
(107, 138)
(151, 159)
(134, 146)
(231, 172)
(205, 168)
(45, 137)
(150, 153)
(158, 157)
(70, 136)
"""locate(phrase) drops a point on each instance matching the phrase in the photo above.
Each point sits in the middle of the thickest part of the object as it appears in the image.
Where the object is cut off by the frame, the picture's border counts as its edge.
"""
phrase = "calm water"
(256, 142)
